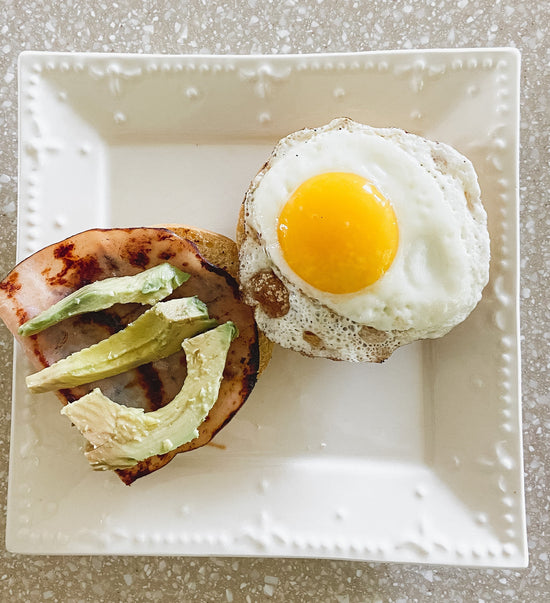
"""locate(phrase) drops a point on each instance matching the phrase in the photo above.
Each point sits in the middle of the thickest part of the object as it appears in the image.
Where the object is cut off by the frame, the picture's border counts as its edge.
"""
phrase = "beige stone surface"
(292, 26)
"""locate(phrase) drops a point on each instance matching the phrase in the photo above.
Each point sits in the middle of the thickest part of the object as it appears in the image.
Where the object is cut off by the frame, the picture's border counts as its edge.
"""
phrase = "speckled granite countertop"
(298, 27)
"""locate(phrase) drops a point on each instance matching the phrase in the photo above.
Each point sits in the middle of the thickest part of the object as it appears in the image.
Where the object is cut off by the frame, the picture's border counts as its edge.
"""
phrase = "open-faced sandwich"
(103, 316)
(355, 241)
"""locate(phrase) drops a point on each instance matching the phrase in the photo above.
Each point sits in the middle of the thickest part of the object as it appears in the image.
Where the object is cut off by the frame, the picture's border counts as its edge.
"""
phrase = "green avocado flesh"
(147, 288)
(120, 436)
(156, 334)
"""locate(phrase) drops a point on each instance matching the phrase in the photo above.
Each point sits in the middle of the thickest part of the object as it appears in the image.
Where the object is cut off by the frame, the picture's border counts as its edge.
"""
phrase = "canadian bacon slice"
(59, 269)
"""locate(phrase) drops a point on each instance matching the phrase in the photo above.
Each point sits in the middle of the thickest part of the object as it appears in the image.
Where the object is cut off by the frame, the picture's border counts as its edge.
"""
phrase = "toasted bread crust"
(223, 252)
(214, 247)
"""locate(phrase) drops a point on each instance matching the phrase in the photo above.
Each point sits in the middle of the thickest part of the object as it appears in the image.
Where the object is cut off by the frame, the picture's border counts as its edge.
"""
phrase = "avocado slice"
(147, 287)
(121, 436)
(156, 334)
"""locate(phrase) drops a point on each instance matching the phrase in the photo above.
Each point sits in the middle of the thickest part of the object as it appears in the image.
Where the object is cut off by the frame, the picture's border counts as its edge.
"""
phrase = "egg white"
(441, 263)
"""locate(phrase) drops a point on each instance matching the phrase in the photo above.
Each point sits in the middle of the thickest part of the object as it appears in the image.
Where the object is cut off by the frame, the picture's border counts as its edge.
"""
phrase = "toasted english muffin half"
(287, 309)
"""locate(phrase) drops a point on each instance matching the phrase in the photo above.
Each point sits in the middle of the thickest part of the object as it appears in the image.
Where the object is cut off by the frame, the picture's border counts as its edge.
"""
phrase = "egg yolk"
(338, 232)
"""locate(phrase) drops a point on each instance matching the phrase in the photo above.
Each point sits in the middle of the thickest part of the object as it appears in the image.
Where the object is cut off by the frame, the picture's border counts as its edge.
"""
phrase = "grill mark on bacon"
(10, 285)
(75, 269)
(149, 379)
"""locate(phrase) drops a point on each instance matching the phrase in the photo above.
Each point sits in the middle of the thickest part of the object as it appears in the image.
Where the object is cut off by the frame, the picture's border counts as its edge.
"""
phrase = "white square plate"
(415, 460)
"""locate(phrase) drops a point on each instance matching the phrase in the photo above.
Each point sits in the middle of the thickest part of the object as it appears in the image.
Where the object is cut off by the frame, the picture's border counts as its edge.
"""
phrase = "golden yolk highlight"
(338, 232)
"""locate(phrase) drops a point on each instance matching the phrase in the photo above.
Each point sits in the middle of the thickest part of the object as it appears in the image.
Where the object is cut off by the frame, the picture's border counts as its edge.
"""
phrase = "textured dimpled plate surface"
(416, 460)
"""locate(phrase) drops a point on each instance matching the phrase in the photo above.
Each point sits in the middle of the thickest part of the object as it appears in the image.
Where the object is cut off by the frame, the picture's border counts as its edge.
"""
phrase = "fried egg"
(374, 235)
